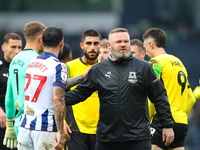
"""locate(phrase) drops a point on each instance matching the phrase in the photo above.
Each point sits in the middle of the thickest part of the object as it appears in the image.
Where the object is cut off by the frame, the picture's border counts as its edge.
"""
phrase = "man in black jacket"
(12, 45)
(123, 83)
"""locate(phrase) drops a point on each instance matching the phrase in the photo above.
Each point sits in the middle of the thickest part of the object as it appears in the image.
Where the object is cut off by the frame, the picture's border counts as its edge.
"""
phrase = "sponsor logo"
(108, 74)
(152, 130)
(17, 106)
(5, 75)
(64, 76)
(64, 66)
(30, 111)
(132, 77)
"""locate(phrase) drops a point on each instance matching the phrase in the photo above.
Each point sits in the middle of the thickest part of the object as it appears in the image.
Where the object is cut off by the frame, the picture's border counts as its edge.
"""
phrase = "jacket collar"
(121, 60)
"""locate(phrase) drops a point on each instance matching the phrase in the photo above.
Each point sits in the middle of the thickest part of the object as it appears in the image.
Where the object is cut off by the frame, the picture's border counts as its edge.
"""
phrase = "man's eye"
(88, 43)
(96, 43)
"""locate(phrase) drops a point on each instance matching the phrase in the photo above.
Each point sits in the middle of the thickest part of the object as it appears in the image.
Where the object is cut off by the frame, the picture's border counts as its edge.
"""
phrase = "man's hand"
(76, 80)
(10, 139)
(85, 74)
(168, 136)
(60, 141)
(66, 130)
(2, 118)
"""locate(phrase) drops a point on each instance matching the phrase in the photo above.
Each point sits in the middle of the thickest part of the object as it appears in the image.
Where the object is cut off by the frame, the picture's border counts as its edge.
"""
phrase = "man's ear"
(70, 58)
(151, 44)
(81, 45)
(3, 47)
(39, 38)
(108, 44)
(143, 53)
(61, 43)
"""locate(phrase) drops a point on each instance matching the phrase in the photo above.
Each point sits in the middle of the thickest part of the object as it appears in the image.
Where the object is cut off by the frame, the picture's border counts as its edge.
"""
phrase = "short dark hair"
(31, 29)
(52, 36)
(65, 53)
(12, 36)
(158, 35)
(92, 33)
(138, 43)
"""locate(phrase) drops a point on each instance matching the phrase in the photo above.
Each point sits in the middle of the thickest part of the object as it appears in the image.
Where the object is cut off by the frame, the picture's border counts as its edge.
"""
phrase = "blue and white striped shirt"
(42, 74)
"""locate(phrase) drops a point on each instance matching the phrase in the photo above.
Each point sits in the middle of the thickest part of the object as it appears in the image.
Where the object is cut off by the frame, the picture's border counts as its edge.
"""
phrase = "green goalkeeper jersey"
(15, 96)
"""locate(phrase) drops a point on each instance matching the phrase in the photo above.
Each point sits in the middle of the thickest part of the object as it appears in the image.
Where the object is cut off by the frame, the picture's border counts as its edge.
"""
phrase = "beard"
(91, 57)
(119, 55)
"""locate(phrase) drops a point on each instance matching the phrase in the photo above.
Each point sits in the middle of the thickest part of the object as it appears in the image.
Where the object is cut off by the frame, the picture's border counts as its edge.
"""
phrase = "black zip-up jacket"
(4, 66)
(123, 87)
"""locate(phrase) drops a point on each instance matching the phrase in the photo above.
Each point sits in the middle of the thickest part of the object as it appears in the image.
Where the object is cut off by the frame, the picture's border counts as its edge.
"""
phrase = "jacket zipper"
(119, 102)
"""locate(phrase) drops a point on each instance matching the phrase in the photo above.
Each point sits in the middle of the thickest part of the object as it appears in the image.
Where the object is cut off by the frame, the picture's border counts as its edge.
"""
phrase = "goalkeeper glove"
(10, 139)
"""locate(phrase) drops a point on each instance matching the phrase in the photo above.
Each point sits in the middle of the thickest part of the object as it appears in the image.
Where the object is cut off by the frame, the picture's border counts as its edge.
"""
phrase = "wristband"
(10, 119)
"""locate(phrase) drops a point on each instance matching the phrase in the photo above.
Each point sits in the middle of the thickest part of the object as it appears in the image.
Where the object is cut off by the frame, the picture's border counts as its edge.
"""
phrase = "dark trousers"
(130, 145)
(81, 141)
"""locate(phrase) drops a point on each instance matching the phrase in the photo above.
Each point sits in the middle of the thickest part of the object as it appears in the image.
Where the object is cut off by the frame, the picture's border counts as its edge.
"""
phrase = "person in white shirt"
(41, 124)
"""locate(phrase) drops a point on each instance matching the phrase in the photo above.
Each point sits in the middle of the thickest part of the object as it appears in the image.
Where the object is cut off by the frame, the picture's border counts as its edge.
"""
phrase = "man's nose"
(17, 50)
(123, 43)
(92, 46)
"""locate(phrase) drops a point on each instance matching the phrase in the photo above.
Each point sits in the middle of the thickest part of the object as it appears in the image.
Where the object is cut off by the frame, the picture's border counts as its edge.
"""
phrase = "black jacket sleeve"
(157, 95)
(82, 91)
